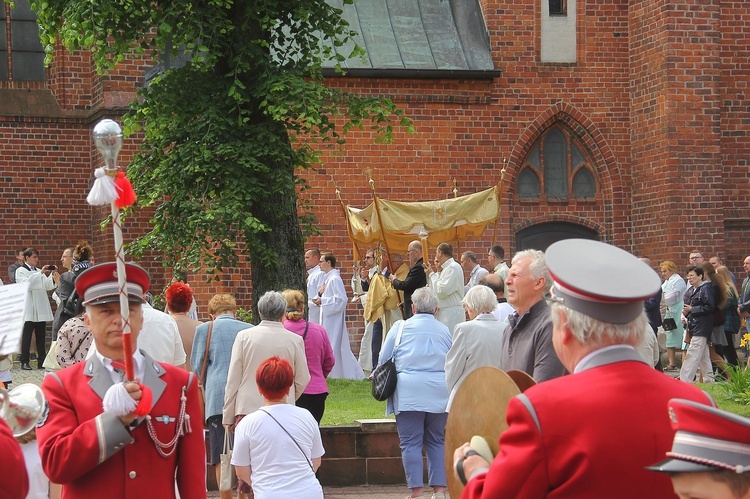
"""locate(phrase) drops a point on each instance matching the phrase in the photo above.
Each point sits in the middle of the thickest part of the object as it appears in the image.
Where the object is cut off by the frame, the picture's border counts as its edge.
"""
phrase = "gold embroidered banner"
(444, 220)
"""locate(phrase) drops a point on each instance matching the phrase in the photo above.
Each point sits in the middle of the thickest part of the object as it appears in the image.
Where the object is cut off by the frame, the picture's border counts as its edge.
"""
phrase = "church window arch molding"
(558, 167)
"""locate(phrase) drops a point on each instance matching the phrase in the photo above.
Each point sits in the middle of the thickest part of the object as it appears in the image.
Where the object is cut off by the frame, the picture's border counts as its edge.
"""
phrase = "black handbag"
(669, 324)
(384, 376)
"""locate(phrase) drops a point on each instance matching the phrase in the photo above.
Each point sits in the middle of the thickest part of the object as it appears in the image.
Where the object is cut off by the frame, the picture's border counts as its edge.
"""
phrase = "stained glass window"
(552, 161)
(528, 184)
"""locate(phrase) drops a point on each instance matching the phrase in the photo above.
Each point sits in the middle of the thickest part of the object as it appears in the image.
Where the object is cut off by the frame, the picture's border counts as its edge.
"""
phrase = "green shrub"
(737, 387)
(245, 315)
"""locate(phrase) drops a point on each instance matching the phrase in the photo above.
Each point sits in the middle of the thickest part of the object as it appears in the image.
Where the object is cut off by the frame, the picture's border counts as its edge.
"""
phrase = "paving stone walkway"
(19, 376)
(359, 492)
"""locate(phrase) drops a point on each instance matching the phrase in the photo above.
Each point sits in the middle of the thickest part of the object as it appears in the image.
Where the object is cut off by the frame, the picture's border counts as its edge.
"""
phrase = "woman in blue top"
(674, 289)
(421, 394)
(224, 329)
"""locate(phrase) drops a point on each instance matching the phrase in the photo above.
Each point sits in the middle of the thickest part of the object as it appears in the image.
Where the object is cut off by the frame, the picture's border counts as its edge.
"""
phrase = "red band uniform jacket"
(15, 480)
(92, 453)
(589, 434)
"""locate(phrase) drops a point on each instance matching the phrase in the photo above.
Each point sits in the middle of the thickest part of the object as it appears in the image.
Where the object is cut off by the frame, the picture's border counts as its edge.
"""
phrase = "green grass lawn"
(714, 389)
(350, 400)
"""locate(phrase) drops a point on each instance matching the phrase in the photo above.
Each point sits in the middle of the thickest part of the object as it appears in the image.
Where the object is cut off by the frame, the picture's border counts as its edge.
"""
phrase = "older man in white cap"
(591, 433)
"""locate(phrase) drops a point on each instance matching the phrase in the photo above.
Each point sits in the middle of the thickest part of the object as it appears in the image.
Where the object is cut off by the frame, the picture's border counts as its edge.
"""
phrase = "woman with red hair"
(179, 299)
(278, 463)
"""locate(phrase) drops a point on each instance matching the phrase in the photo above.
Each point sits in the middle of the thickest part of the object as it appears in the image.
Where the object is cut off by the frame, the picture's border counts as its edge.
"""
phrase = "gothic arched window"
(557, 167)
(528, 184)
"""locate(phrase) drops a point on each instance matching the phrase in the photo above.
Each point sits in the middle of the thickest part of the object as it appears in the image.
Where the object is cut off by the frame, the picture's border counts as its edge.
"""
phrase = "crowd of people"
(548, 314)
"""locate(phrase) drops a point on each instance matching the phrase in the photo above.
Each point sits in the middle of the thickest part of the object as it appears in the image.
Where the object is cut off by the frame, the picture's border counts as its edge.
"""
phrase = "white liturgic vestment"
(365, 345)
(448, 285)
(332, 318)
(37, 304)
(314, 281)
(502, 270)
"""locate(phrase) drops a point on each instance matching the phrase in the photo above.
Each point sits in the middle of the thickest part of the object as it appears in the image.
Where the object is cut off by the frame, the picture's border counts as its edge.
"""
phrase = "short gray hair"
(425, 301)
(271, 306)
(594, 332)
(537, 267)
(470, 255)
(481, 299)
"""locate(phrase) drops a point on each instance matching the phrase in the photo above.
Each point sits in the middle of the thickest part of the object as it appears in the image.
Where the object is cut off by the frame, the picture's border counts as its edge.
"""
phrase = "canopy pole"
(423, 241)
(355, 249)
(380, 219)
(455, 196)
(498, 193)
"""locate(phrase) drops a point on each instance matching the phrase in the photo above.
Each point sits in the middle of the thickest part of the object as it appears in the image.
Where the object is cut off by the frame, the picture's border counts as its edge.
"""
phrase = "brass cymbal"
(479, 408)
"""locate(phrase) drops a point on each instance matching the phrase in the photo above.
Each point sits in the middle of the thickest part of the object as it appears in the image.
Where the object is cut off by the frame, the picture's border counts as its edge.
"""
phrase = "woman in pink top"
(318, 351)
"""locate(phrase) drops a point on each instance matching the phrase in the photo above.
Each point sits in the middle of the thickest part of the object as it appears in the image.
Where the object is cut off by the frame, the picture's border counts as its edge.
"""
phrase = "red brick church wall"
(658, 96)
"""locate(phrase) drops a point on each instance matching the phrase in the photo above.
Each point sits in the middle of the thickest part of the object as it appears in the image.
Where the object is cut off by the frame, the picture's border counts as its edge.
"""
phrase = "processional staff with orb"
(113, 187)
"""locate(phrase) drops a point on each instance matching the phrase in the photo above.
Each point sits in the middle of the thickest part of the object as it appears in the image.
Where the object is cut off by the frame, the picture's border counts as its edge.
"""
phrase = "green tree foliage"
(225, 133)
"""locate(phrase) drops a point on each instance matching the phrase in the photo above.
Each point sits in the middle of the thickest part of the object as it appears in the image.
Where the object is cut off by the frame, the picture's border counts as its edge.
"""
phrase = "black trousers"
(728, 351)
(316, 404)
(658, 365)
(39, 329)
(377, 342)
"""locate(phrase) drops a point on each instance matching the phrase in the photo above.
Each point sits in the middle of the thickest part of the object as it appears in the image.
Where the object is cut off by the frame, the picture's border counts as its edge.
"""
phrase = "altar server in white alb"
(38, 311)
(448, 284)
(312, 256)
(332, 301)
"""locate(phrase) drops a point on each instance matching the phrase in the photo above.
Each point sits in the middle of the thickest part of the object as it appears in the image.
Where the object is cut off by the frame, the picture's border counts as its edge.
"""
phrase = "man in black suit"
(415, 279)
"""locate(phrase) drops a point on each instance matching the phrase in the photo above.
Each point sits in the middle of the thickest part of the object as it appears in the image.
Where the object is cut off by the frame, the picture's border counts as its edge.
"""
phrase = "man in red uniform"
(95, 453)
(710, 456)
(589, 434)
(15, 480)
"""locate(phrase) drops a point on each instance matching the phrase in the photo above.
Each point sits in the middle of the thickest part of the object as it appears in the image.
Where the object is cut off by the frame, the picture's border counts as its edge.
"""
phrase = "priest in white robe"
(332, 301)
(448, 284)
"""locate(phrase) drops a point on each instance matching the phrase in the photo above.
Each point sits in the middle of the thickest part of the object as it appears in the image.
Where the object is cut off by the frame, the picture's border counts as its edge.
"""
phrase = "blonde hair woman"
(318, 350)
(731, 317)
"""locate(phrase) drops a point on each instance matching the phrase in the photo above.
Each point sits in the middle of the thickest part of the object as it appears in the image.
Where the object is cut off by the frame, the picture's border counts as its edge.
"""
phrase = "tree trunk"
(279, 212)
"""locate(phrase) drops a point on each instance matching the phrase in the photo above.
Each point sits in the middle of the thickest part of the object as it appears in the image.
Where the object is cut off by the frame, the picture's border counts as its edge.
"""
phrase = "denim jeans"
(416, 429)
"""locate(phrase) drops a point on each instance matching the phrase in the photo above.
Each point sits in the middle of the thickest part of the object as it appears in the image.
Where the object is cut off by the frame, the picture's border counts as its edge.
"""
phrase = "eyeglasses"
(695, 257)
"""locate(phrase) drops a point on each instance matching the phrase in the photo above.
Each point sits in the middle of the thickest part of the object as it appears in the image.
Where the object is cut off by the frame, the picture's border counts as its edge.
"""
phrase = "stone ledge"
(377, 425)
(365, 453)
